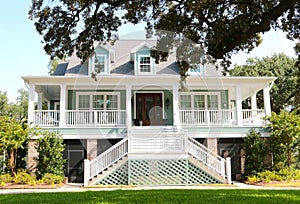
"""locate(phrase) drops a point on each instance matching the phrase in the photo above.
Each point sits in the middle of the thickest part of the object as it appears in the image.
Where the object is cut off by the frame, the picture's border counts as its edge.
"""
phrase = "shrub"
(252, 179)
(22, 177)
(52, 179)
(6, 178)
(268, 176)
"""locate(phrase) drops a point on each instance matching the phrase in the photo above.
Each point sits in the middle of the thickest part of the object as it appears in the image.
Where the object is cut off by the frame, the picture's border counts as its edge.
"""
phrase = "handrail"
(106, 159)
(201, 153)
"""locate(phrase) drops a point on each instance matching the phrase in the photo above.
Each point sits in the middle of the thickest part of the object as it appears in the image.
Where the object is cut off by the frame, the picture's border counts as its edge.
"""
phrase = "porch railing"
(207, 117)
(95, 117)
(46, 118)
(253, 117)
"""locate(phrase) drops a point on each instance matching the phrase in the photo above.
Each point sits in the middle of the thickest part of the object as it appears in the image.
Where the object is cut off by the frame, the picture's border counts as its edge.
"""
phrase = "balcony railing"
(207, 117)
(90, 118)
(220, 117)
(46, 118)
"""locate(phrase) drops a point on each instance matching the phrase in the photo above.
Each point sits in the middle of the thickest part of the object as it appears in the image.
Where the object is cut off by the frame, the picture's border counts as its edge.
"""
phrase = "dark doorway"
(74, 153)
(149, 108)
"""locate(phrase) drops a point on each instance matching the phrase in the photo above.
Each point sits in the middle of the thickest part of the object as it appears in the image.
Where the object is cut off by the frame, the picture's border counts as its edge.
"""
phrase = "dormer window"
(144, 64)
(99, 64)
(198, 70)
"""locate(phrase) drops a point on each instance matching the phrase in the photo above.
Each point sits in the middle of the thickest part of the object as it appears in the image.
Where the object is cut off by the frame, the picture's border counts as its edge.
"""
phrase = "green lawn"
(239, 196)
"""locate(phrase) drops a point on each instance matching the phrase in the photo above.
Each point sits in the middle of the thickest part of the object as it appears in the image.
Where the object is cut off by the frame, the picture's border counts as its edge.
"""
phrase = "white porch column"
(40, 101)
(128, 108)
(62, 110)
(253, 102)
(31, 95)
(176, 116)
(239, 108)
(267, 101)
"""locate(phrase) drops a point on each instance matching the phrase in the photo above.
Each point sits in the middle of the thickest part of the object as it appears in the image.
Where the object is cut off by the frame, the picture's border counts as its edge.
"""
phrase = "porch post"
(267, 101)
(40, 101)
(31, 95)
(176, 116)
(62, 110)
(253, 102)
(128, 108)
(239, 108)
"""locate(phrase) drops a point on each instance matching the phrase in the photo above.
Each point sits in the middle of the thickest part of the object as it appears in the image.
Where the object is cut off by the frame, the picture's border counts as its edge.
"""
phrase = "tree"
(255, 152)
(3, 103)
(285, 88)
(284, 137)
(220, 27)
(50, 158)
(13, 135)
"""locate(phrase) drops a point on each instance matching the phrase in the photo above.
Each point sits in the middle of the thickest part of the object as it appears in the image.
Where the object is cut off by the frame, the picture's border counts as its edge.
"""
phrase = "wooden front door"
(149, 108)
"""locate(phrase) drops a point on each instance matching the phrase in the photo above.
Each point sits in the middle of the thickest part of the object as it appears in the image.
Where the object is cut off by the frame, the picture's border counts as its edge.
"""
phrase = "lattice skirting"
(158, 172)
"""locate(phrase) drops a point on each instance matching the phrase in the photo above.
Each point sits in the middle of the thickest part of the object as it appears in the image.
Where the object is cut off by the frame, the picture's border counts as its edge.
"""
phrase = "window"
(200, 101)
(185, 101)
(144, 64)
(99, 63)
(98, 101)
(199, 70)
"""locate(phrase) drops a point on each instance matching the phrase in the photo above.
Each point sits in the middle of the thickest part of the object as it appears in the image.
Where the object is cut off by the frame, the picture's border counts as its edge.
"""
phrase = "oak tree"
(220, 27)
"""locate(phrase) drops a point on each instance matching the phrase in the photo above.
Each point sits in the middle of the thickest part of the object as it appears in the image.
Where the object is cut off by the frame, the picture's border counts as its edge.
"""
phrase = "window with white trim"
(98, 101)
(145, 64)
(100, 64)
(200, 101)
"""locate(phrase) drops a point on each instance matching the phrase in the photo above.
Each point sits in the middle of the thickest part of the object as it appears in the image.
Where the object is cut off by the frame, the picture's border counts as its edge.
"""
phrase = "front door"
(149, 108)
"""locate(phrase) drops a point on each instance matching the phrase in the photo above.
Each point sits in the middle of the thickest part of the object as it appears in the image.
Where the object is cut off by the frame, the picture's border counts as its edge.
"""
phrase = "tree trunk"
(12, 163)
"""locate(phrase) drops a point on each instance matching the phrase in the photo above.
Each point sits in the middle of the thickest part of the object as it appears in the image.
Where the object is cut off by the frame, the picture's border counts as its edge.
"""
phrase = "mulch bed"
(26, 186)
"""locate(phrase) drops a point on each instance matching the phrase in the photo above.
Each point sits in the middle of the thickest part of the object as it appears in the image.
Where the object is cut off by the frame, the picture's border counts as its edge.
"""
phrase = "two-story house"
(131, 124)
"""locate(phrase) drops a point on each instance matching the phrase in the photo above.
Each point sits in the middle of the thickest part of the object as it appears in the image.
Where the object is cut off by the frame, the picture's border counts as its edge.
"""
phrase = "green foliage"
(52, 179)
(50, 148)
(255, 152)
(221, 27)
(6, 178)
(13, 135)
(286, 175)
(23, 177)
(284, 138)
(268, 176)
(285, 88)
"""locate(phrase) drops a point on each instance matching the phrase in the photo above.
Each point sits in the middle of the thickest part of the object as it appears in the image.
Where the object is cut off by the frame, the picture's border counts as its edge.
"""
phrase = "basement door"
(149, 108)
(75, 166)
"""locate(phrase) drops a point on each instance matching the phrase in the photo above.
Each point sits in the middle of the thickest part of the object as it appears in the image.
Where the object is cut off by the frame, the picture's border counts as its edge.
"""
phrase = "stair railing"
(202, 154)
(105, 160)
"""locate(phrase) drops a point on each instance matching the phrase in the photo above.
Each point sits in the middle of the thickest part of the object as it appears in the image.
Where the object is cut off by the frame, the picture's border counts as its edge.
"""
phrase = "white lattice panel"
(158, 172)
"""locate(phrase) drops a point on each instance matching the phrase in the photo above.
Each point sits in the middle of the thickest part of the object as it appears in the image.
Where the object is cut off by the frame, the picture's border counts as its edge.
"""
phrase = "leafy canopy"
(285, 88)
(220, 27)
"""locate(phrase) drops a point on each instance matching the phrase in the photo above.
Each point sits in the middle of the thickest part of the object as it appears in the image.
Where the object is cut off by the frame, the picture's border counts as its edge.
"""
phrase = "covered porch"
(164, 101)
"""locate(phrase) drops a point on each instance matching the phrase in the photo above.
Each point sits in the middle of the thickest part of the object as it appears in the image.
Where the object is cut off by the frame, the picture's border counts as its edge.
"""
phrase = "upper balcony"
(117, 118)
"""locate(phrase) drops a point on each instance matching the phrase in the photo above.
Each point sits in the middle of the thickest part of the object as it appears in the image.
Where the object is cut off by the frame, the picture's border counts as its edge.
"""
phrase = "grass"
(240, 196)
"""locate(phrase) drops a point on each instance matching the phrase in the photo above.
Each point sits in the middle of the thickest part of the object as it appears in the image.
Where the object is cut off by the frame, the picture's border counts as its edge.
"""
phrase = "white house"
(133, 125)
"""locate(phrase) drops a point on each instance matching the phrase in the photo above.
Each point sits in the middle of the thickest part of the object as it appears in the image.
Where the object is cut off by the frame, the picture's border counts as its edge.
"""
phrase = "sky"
(22, 53)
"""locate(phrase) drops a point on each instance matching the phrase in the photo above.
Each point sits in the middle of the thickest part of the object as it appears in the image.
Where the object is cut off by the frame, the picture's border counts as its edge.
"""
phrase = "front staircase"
(164, 158)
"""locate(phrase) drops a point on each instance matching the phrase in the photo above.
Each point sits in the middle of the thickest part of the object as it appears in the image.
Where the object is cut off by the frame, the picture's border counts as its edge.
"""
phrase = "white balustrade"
(95, 117)
(46, 118)
(106, 159)
(206, 156)
(253, 117)
(157, 143)
(207, 117)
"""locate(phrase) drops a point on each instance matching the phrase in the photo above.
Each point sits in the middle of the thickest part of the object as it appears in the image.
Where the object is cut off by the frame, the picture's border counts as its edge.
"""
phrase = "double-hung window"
(144, 64)
(200, 101)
